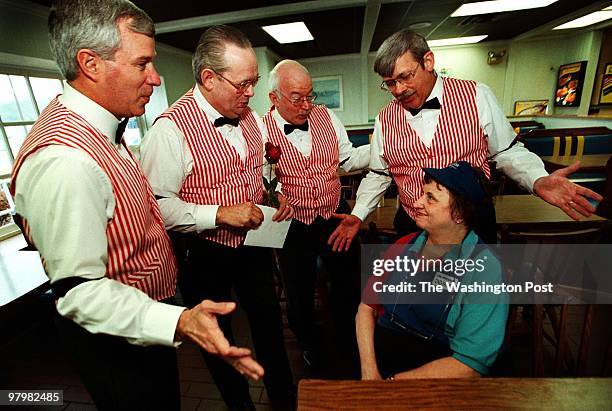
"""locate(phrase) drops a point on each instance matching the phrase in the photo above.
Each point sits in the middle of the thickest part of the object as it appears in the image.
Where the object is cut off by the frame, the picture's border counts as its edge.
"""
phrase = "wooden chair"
(553, 266)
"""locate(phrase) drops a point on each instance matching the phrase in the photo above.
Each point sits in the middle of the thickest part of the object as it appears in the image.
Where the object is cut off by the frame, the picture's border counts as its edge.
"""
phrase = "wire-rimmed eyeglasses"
(243, 85)
(296, 101)
(403, 78)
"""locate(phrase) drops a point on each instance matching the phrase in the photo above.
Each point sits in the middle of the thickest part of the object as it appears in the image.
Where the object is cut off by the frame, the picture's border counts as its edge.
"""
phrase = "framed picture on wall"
(530, 107)
(569, 84)
(605, 97)
(329, 91)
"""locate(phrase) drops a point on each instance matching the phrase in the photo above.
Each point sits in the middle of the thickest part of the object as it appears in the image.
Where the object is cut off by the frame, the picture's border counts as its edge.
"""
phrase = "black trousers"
(398, 351)
(298, 260)
(211, 271)
(119, 375)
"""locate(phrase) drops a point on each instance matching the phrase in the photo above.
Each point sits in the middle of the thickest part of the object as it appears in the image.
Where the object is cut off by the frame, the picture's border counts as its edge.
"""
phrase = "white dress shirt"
(166, 160)
(518, 163)
(355, 158)
(67, 200)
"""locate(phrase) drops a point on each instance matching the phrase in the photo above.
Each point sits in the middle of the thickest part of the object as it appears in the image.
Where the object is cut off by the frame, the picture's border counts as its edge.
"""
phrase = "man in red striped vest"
(203, 158)
(435, 121)
(313, 142)
(85, 204)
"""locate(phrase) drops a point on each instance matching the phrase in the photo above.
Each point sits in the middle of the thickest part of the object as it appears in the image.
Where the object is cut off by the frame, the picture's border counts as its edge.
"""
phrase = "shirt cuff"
(472, 363)
(361, 212)
(531, 179)
(205, 217)
(159, 326)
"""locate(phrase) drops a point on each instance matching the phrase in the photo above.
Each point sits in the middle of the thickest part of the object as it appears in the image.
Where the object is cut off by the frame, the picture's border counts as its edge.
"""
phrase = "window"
(22, 99)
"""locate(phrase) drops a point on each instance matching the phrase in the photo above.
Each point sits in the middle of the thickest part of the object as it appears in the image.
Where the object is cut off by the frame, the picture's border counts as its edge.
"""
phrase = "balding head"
(291, 91)
(287, 69)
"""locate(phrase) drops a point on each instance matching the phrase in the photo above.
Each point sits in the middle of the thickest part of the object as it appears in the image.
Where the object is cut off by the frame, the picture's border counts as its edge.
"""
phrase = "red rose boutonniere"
(273, 154)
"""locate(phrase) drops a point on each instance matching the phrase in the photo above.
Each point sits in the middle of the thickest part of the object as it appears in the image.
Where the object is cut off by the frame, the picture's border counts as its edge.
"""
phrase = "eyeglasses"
(403, 78)
(242, 86)
(296, 101)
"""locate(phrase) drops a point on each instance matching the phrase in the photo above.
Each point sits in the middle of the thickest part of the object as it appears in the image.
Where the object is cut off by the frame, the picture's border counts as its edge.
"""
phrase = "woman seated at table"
(456, 339)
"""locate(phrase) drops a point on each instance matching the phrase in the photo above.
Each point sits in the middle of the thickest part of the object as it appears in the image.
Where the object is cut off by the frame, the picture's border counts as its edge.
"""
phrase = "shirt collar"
(438, 90)
(279, 119)
(92, 112)
(206, 107)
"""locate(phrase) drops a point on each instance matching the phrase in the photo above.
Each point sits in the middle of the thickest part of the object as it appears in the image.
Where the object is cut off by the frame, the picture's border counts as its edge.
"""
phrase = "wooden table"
(588, 162)
(467, 394)
(511, 210)
(531, 211)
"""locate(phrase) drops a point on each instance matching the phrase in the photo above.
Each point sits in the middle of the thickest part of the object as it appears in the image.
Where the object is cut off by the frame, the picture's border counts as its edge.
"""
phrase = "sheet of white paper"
(269, 233)
(20, 273)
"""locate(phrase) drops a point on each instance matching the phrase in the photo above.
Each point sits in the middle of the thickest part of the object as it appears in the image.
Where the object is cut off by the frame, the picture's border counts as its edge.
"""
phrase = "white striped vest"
(139, 250)
(219, 176)
(457, 137)
(311, 184)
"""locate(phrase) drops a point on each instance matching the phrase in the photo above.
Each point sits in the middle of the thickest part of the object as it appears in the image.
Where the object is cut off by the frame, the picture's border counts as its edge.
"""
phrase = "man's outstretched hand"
(559, 191)
(200, 325)
(341, 238)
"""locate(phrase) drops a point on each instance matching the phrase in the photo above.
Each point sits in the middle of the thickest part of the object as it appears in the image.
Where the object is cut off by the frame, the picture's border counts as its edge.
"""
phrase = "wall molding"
(26, 7)
(322, 59)
(16, 61)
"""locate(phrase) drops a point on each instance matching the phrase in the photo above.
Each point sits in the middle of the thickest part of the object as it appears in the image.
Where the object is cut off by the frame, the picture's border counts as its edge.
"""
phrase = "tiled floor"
(32, 359)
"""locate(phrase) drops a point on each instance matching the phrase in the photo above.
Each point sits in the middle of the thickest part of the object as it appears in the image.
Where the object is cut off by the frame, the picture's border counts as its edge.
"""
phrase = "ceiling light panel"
(289, 32)
(456, 41)
(498, 6)
(587, 20)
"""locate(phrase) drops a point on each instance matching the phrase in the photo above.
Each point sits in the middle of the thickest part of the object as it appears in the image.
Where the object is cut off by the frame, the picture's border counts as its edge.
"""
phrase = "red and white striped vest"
(139, 250)
(457, 137)
(311, 183)
(219, 176)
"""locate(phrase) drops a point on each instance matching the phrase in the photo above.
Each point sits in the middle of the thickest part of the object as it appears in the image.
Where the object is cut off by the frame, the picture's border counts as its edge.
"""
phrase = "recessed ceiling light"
(420, 25)
(456, 40)
(587, 20)
(289, 32)
(498, 6)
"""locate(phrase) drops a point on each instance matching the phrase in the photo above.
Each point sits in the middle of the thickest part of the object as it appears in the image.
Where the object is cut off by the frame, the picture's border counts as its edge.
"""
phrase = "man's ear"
(206, 78)
(428, 61)
(273, 98)
(90, 64)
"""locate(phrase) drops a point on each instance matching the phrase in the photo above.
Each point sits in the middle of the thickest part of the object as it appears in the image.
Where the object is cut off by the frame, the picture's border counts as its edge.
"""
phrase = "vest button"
(246, 185)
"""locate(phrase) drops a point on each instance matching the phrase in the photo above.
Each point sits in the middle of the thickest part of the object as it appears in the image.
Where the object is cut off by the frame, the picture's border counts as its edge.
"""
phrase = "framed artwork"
(329, 91)
(605, 97)
(569, 84)
(530, 107)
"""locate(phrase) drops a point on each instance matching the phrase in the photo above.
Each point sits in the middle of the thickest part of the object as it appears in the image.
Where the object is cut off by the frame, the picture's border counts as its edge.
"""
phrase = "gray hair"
(94, 25)
(273, 80)
(210, 51)
(396, 46)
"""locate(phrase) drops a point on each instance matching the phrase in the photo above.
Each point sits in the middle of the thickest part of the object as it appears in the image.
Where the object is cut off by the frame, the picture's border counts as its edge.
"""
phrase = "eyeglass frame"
(243, 86)
(300, 100)
(402, 78)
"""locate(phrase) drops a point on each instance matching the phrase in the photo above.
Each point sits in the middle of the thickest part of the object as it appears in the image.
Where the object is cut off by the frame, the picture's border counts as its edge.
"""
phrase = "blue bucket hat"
(460, 178)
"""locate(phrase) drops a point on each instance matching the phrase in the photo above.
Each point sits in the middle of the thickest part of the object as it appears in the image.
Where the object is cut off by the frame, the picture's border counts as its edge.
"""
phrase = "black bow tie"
(290, 127)
(433, 104)
(120, 130)
(221, 121)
